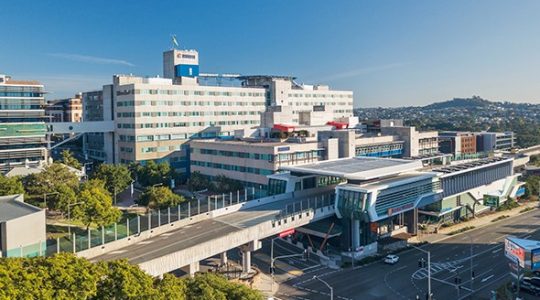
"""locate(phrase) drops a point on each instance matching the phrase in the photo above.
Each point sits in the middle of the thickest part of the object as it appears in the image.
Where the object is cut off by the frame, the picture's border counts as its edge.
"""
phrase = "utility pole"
(421, 263)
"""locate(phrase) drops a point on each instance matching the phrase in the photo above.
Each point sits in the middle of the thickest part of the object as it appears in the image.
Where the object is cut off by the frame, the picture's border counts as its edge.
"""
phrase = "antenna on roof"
(174, 41)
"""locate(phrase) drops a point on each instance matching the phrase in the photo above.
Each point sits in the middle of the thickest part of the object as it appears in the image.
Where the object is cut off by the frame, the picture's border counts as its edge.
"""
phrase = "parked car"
(391, 259)
(527, 287)
(532, 280)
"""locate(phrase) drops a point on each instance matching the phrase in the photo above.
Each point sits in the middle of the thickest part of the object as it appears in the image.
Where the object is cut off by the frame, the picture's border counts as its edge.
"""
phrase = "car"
(535, 281)
(391, 259)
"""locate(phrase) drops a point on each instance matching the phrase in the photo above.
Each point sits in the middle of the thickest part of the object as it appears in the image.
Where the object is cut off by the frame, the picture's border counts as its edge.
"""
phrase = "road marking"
(496, 250)
(488, 278)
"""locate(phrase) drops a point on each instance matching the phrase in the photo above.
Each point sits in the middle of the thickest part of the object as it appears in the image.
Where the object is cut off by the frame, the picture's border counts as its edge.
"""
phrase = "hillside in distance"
(467, 114)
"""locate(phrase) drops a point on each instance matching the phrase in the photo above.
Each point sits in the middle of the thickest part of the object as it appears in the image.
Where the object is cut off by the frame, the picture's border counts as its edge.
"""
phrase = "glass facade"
(403, 195)
(22, 124)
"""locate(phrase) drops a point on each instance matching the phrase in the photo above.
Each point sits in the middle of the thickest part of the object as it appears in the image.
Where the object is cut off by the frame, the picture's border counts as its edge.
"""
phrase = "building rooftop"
(13, 207)
(358, 168)
(392, 181)
(253, 142)
(470, 165)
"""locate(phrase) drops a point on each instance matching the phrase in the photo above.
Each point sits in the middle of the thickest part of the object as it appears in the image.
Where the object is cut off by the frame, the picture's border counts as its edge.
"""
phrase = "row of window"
(320, 103)
(186, 103)
(186, 124)
(165, 137)
(282, 157)
(242, 169)
(186, 114)
(161, 149)
(195, 93)
(300, 95)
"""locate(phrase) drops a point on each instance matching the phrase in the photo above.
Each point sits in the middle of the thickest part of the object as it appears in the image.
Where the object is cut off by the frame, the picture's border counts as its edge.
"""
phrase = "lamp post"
(45, 197)
(69, 215)
(326, 283)
(429, 268)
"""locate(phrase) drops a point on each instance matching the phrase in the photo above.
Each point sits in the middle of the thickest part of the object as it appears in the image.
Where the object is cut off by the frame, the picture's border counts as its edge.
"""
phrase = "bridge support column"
(223, 258)
(246, 254)
(191, 269)
(355, 232)
(246, 261)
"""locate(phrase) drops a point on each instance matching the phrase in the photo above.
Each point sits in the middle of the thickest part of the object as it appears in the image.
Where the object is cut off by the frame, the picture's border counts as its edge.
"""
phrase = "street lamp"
(69, 215)
(45, 197)
(326, 283)
(429, 268)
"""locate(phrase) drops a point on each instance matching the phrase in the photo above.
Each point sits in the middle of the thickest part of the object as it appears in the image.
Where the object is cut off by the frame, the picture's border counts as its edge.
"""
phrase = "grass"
(500, 218)
(526, 209)
(461, 230)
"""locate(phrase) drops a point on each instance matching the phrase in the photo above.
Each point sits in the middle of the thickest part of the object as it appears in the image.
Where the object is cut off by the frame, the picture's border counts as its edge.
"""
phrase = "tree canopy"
(66, 276)
(224, 184)
(154, 173)
(10, 185)
(70, 160)
(96, 205)
(116, 177)
(55, 181)
(159, 197)
(198, 182)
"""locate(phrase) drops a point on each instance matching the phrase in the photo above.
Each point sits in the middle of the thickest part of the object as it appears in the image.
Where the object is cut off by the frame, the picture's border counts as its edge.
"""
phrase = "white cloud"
(92, 59)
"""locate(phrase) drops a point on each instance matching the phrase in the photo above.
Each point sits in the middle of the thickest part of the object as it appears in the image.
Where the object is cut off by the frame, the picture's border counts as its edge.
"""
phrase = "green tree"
(153, 173)
(116, 177)
(10, 186)
(66, 276)
(121, 280)
(171, 287)
(224, 184)
(54, 180)
(532, 185)
(70, 160)
(96, 205)
(159, 197)
(197, 182)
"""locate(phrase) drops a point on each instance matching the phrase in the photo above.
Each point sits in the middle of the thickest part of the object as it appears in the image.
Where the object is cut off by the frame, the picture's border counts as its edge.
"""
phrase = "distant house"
(22, 228)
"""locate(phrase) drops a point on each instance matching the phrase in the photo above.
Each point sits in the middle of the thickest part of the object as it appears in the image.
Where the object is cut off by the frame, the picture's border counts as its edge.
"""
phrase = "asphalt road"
(450, 258)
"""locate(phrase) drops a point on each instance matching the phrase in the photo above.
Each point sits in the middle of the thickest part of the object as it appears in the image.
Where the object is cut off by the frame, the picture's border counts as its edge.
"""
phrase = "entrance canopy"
(357, 168)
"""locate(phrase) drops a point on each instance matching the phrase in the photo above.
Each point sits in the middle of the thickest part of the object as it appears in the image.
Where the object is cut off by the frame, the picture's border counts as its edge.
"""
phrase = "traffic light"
(421, 263)
(457, 280)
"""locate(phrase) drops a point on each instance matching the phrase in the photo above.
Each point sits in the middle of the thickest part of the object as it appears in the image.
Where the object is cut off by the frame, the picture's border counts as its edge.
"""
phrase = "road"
(450, 259)
(192, 235)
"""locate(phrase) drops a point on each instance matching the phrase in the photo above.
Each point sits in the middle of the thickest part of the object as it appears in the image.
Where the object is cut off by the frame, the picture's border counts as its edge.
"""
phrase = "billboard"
(514, 252)
(535, 259)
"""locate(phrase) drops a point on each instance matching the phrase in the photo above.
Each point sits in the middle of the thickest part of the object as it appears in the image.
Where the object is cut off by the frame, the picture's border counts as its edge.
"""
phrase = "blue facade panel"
(186, 70)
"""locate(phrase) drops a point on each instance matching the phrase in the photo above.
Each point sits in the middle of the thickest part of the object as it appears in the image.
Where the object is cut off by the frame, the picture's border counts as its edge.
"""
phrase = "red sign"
(286, 233)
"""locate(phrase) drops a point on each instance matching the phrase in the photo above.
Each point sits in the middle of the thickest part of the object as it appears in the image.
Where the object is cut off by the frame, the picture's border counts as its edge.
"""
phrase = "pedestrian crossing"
(436, 268)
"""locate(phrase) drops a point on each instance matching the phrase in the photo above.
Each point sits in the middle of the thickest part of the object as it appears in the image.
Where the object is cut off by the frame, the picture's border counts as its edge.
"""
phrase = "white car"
(391, 259)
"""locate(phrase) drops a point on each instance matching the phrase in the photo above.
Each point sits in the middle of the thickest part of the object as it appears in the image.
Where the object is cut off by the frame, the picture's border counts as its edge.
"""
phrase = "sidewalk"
(477, 222)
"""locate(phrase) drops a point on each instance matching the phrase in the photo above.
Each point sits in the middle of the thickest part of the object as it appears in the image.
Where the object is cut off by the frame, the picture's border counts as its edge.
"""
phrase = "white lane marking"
(496, 250)
(488, 278)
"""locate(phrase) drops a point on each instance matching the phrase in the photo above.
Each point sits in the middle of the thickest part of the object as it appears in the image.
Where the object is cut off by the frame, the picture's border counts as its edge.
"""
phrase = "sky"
(390, 53)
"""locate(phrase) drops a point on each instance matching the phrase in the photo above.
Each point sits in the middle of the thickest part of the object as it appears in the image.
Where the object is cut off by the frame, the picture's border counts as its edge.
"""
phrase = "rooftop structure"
(358, 168)
(22, 228)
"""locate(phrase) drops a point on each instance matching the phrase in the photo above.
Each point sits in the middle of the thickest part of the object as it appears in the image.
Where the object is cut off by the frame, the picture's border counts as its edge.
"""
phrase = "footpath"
(480, 221)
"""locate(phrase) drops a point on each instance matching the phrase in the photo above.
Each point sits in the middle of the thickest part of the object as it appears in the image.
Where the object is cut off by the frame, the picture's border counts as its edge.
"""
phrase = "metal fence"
(79, 239)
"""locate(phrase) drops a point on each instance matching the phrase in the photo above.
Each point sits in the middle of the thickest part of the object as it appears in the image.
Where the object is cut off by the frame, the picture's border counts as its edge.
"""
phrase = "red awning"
(338, 125)
(283, 127)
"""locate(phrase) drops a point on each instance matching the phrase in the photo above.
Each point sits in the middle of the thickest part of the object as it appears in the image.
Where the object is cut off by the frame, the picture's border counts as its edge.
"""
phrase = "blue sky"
(390, 53)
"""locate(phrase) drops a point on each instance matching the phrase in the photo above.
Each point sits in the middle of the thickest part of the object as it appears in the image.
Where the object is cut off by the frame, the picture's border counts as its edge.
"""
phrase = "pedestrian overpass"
(186, 242)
